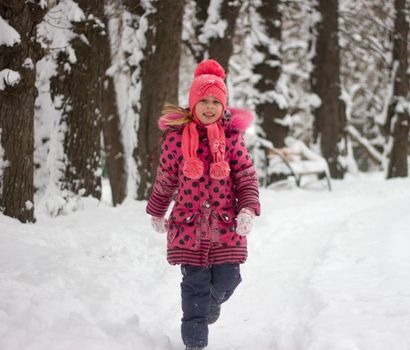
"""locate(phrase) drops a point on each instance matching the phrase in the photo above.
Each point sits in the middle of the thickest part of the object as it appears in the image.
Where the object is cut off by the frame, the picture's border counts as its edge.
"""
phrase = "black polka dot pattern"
(204, 195)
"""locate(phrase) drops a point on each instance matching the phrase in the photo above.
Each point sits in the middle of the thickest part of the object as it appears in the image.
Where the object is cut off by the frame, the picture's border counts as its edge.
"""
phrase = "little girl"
(206, 168)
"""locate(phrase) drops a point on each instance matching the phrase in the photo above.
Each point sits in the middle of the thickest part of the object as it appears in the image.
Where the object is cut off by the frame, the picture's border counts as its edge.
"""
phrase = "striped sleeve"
(245, 177)
(166, 182)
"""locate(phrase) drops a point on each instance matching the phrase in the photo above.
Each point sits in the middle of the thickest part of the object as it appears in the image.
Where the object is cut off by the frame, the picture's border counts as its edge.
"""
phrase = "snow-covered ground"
(326, 271)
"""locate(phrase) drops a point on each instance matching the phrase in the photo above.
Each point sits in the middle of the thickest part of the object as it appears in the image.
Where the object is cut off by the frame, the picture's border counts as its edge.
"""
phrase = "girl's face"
(208, 110)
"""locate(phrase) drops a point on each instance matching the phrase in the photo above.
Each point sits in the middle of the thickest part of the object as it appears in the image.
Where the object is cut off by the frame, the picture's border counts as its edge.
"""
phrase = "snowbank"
(326, 271)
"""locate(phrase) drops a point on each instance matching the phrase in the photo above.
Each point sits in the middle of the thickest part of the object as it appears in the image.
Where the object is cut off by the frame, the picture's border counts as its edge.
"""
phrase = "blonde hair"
(171, 109)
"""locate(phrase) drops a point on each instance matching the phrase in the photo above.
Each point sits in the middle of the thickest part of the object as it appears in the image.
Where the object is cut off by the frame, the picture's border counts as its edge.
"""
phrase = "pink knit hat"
(208, 81)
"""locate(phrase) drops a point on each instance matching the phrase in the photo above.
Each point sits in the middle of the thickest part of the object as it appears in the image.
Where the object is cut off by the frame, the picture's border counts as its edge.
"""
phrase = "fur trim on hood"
(240, 119)
(235, 119)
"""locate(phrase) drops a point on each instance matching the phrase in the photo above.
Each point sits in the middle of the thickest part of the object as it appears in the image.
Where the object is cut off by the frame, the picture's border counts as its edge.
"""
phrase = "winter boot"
(214, 312)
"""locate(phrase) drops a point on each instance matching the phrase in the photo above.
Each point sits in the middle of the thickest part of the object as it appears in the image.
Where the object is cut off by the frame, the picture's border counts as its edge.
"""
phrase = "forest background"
(82, 84)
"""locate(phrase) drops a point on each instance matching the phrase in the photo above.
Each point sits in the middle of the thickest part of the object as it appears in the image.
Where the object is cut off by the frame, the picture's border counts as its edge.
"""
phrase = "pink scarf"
(193, 166)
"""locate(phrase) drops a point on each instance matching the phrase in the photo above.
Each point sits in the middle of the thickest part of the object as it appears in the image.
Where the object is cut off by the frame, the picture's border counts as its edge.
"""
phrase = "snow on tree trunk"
(77, 92)
(214, 24)
(195, 16)
(330, 115)
(399, 108)
(111, 124)
(159, 74)
(127, 35)
(270, 103)
(18, 54)
(365, 29)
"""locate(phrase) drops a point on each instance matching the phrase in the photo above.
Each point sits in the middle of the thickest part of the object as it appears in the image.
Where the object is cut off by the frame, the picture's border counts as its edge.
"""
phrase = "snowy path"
(317, 269)
(326, 271)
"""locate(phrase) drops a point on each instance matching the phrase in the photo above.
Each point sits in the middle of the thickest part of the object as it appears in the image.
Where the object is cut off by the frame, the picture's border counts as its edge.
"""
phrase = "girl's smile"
(208, 110)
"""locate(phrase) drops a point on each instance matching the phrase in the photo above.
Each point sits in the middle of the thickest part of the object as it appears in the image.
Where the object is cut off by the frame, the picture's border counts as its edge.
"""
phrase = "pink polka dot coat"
(202, 223)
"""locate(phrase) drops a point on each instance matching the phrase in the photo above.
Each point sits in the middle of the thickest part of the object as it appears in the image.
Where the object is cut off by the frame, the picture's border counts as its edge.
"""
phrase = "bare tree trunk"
(17, 110)
(399, 114)
(114, 148)
(111, 127)
(268, 109)
(330, 119)
(159, 80)
(81, 89)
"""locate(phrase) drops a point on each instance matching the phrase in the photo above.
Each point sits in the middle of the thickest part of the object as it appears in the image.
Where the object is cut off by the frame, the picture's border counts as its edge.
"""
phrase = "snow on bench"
(296, 160)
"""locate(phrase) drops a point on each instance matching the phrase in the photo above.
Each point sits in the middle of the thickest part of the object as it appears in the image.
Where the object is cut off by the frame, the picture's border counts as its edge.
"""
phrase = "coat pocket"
(224, 231)
(182, 229)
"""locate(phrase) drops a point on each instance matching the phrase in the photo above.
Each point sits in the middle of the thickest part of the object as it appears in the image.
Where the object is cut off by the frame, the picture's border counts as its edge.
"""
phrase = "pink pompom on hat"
(208, 81)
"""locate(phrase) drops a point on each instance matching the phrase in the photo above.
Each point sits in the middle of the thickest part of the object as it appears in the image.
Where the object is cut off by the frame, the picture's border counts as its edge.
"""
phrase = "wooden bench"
(296, 160)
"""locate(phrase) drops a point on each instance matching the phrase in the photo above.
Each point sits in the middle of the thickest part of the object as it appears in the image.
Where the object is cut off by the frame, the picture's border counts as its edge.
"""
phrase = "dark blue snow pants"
(200, 285)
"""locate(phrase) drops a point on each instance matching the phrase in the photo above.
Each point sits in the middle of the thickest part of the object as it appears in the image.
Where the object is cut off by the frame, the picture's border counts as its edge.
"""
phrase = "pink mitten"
(244, 221)
(158, 224)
